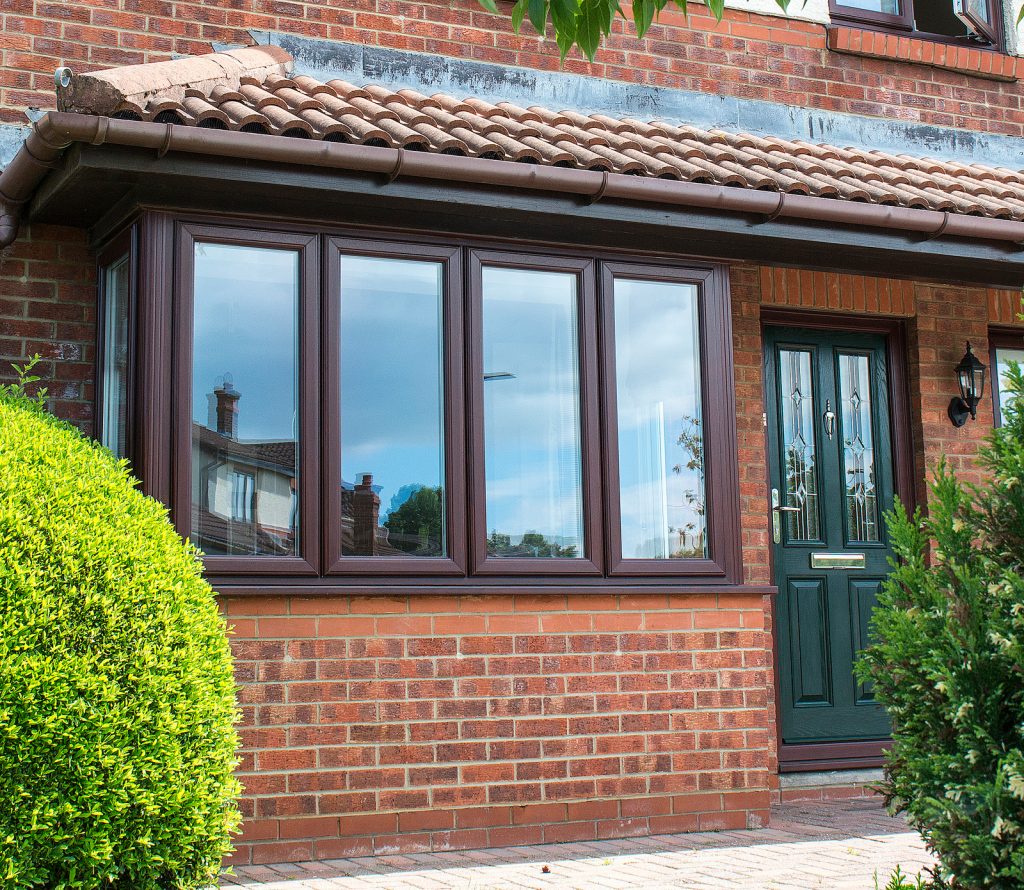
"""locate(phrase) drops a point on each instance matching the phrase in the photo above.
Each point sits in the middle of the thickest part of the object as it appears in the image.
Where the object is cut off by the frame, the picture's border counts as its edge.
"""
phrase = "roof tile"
(255, 90)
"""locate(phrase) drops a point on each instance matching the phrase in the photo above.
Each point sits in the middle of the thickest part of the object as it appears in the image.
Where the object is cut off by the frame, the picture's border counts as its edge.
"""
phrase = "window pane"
(858, 448)
(660, 432)
(891, 7)
(392, 415)
(114, 422)
(798, 445)
(245, 419)
(1003, 359)
(532, 459)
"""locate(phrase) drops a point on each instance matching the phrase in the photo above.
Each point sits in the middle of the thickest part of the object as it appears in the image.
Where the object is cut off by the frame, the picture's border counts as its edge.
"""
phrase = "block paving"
(836, 845)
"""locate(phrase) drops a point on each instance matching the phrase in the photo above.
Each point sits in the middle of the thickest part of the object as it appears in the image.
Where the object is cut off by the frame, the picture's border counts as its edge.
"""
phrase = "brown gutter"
(57, 130)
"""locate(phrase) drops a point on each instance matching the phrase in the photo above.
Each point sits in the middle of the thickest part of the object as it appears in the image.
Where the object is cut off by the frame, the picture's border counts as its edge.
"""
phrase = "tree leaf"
(563, 17)
(643, 15)
(538, 13)
(518, 14)
(490, 6)
(588, 27)
(717, 8)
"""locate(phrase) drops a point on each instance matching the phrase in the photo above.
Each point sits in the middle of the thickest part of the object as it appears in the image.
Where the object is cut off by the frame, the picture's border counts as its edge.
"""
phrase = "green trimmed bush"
(948, 663)
(117, 701)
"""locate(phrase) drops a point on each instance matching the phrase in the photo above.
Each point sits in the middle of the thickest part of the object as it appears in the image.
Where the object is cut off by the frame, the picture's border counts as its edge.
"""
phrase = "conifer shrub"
(948, 663)
(117, 702)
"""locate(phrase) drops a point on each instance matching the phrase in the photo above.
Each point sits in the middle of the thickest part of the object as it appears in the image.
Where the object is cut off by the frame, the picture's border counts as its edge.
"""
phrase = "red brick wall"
(48, 306)
(433, 723)
(746, 55)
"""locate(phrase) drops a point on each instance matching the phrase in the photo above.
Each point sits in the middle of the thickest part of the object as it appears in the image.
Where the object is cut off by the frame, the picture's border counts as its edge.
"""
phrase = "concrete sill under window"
(978, 62)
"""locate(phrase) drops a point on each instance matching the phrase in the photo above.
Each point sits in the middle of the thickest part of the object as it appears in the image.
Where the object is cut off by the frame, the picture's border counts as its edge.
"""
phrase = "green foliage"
(585, 23)
(948, 664)
(900, 881)
(19, 389)
(117, 706)
(417, 525)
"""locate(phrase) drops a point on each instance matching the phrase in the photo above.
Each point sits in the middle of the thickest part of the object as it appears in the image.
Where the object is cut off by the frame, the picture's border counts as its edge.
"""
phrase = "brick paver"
(832, 846)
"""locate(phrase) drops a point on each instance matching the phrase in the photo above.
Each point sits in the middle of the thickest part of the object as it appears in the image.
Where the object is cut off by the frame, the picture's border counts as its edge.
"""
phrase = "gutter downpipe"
(57, 130)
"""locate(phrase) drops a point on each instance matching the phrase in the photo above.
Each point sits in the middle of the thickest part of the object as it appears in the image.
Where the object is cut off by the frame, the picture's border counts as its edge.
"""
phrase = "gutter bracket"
(165, 146)
(775, 214)
(929, 236)
(599, 194)
(396, 171)
(102, 126)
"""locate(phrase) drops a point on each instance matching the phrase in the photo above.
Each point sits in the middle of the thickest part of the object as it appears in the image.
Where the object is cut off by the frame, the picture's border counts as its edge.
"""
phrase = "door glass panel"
(661, 447)
(245, 418)
(798, 445)
(116, 293)
(532, 455)
(1003, 359)
(859, 481)
(392, 412)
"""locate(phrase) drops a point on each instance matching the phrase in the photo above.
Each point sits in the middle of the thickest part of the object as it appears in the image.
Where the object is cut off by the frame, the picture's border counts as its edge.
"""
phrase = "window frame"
(122, 246)
(591, 561)
(1000, 338)
(162, 423)
(452, 373)
(721, 490)
(307, 563)
(903, 24)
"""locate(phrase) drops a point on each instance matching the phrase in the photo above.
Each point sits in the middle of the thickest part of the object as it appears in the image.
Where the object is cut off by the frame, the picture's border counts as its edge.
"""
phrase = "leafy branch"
(585, 23)
(18, 391)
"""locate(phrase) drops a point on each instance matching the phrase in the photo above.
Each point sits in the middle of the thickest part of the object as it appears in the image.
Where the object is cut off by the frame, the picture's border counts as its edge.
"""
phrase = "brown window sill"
(977, 62)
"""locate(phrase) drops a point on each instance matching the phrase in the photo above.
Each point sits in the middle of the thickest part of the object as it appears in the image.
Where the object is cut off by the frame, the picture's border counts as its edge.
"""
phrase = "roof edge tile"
(103, 92)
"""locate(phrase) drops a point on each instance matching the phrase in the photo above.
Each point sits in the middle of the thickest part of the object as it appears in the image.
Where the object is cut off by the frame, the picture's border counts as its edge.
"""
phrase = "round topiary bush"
(117, 701)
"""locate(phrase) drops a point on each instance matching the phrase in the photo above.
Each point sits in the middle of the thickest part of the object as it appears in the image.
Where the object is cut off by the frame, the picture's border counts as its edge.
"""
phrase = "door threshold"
(828, 756)
(832, 777)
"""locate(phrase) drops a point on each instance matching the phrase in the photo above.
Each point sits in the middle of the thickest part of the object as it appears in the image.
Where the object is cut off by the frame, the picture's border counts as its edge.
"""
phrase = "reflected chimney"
(227, 408)
(365, 516)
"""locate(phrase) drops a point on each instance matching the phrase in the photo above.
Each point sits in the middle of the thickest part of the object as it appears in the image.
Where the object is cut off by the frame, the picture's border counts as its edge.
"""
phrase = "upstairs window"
(970, 22)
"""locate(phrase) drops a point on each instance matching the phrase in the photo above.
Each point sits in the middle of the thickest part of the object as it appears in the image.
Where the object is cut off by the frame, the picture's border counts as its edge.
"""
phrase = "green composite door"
(831, 482)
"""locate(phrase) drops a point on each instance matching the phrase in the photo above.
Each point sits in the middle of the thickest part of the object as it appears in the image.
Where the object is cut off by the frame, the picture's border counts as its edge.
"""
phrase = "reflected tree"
(533, 544)
(691, 535)
(417, 525)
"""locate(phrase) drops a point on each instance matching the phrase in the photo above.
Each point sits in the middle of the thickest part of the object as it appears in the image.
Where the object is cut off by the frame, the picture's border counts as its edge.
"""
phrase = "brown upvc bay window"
(353, 413)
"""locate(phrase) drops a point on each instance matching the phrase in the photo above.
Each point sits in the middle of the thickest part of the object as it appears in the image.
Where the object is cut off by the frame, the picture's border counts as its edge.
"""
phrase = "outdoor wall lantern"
(970, 374)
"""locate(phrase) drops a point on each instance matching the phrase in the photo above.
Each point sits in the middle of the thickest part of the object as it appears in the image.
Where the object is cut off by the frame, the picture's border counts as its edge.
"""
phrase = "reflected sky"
(391, 375)
(657, 348)
(531, 405)
(245, 325)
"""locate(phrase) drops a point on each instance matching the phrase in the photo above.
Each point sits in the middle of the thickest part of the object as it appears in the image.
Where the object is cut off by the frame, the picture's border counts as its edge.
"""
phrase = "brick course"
(746, 55)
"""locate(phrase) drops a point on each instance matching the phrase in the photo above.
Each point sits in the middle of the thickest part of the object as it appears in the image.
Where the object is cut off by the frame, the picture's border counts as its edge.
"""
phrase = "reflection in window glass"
(660, 434)
(890, 7)
(245, 419)
(532, 458)
(392, 454)
(1003, 359)
(116, 293)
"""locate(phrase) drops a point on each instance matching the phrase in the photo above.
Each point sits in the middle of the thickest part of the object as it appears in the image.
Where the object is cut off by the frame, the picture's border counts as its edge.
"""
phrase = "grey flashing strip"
(327, 59)
(11, 137)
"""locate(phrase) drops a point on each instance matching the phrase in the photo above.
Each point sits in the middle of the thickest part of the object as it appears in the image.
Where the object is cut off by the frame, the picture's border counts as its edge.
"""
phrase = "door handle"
(777, 511)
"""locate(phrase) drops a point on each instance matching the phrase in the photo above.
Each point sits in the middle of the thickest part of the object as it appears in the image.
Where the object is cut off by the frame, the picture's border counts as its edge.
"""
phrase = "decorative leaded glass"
(858, 448)
(798, 445)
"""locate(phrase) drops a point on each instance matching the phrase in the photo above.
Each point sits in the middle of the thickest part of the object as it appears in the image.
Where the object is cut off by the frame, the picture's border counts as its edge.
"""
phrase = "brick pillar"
(365, 517)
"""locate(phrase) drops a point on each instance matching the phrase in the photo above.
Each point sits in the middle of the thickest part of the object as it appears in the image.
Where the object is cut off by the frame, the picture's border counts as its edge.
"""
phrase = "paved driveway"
(835, 846)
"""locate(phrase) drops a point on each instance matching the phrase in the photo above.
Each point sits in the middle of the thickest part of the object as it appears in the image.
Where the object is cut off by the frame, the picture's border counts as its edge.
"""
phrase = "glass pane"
(661, 445)
(392, 415)
(798, 445)
(858, 448)
(1003, 359)
(532, 458)
(890, 7)
(114, 422)
(245, 419)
